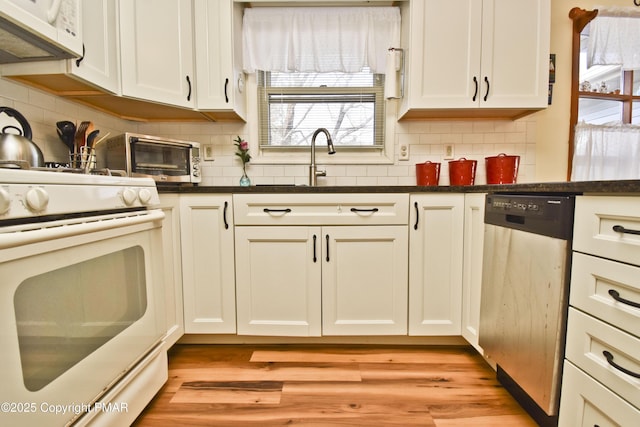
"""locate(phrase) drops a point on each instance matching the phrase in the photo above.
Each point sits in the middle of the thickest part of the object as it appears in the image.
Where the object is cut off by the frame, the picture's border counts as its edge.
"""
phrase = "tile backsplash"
(426, 141)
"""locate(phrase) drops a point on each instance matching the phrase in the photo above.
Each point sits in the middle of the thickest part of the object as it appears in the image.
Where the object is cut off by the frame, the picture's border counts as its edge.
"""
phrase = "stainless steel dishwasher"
(524, 297)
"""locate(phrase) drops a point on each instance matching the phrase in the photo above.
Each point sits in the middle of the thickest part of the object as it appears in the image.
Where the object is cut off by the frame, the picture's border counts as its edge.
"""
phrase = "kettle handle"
(26, 128)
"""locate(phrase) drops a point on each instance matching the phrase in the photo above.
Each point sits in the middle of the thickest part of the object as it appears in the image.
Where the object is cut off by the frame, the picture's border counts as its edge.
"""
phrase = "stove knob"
(5, 201)
(37, 199)
(144, 195)
(129, 196)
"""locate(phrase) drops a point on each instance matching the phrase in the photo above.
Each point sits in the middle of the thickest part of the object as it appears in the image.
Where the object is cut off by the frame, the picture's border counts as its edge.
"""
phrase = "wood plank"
(316, 385)
(248, 392)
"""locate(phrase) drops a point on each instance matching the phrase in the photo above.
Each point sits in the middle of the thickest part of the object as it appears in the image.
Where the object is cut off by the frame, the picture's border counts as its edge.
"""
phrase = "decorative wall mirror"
(604, 130)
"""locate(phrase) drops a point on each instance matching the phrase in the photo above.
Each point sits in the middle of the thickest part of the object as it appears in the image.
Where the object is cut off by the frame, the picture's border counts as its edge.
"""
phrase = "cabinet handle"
(636, 2)
(267, 210)
(616, 296)
(327, 238)
(486, 95)
(79, 60)
(189, 93)
(621, 229)
(364, 210)
(315, 258)
(415, 226)
(475, 94)
(226, 93)
(609, 358)
(224, 215)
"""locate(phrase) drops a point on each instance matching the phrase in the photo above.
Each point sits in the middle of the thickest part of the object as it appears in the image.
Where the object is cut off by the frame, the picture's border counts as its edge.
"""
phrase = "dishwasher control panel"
(546, 215)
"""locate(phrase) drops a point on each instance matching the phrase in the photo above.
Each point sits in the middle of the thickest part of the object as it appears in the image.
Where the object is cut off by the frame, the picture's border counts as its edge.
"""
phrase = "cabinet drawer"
(586, 402)
(607, 290)
(596, 227)
(589, 338)
(321, 209)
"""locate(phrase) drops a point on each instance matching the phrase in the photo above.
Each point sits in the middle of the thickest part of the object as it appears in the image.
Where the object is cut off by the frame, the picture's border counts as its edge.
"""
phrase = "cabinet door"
(515, 53)
(278, 273)
(435, 264)
(156, 45)
(99, 64)
(170, 205)
(208, 263)
(445, 53)
(364, 280)
(218, 41)
(472, 266)
(585, 402)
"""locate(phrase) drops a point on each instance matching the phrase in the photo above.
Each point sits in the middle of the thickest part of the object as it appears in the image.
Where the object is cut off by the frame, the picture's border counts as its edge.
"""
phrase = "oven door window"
(64, 315)
(159, 159)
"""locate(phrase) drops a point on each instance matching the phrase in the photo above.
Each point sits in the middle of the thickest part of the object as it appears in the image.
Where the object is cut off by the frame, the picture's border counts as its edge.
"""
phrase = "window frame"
(307, 94)
(300, 155)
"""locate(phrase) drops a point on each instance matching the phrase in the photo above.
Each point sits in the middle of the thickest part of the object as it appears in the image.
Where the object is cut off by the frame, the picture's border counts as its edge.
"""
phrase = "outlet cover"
(404, 152)
(448, 152)
(207, 152)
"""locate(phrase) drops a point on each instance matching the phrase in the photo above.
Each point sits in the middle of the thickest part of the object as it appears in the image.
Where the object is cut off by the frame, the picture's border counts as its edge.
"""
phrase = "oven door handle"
(35, 233)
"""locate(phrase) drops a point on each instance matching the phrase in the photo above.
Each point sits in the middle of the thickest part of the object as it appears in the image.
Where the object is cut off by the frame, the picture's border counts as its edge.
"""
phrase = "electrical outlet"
(207, 152)
(448, 152)
(404, 152)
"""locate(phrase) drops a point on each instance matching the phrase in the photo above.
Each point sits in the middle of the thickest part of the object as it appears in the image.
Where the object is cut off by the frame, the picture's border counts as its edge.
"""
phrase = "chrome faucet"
(314, 173)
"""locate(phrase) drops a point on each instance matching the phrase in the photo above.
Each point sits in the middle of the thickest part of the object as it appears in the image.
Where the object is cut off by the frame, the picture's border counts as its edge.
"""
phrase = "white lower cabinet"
(601, 378)
(208, 275)
(435, 264)
(172, 267)
(586, 402)
(472, 266)
(364, 280)
(278, 281)
(299, 272)
(312, 281)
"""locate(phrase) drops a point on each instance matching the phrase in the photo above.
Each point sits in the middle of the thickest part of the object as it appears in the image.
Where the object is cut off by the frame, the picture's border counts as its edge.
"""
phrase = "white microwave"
(36, 30)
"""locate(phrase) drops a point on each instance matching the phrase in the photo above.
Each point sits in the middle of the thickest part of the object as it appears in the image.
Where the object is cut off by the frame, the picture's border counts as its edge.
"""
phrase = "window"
(291, 106)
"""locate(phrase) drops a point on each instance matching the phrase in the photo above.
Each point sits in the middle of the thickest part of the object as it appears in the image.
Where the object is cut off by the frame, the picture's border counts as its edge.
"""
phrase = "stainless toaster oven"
(163, 159)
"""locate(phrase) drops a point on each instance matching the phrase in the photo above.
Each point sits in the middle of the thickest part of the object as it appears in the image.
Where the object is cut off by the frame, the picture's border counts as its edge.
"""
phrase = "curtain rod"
(619, 12)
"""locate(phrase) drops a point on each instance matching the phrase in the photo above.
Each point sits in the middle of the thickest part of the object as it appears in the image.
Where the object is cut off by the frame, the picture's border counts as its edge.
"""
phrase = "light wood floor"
(245, 385)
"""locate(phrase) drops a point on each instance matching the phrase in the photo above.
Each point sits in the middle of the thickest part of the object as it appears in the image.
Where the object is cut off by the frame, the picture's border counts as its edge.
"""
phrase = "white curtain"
(614, 38)
(319, 39)
(606, 152)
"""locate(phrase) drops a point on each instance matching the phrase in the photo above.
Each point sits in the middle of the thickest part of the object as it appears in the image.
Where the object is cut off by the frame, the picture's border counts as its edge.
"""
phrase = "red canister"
(502, 169)
(427, 173)
(462, 171)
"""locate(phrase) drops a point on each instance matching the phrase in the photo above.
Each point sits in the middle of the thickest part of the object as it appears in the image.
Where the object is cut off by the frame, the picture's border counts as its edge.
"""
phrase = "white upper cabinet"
(99, 63)
(156, 44)
(218, 47)
(464, 56)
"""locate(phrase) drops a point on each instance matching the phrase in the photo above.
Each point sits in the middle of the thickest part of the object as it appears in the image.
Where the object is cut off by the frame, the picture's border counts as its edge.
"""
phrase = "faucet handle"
(321, 173)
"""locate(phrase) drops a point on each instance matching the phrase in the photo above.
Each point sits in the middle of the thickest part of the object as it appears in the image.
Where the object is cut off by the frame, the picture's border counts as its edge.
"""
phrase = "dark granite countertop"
(583, 187)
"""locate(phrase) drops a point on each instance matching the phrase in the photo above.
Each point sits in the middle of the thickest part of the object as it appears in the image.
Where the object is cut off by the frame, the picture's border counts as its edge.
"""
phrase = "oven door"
(81, 302)
(161, 160)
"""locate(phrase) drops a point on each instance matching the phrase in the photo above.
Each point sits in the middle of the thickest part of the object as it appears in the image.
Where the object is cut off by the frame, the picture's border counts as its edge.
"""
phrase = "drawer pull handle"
(224, 215)
(364, 210)
(616, 296)
(609, 358)
(621, 229)
(475, 94)
(267, 210)
(315, 258)
(327, 237)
